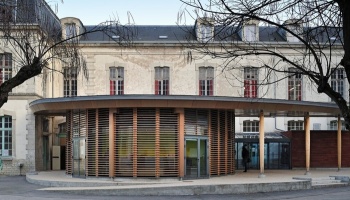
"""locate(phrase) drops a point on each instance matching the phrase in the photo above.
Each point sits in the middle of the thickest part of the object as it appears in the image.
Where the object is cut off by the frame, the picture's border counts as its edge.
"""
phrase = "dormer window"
(206, 33)
(204, 29)
(250, 31)
(71, 30)
(293, 25)
(6, 12)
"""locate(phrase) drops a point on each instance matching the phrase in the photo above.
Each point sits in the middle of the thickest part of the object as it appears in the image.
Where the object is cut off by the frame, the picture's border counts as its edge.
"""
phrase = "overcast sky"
(144, 12)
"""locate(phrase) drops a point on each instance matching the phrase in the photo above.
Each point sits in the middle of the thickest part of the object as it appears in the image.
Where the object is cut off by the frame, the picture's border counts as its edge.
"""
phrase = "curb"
(187, 190)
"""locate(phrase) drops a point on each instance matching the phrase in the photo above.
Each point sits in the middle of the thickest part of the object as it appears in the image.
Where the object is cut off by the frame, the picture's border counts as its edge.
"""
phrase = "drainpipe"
(275, 97)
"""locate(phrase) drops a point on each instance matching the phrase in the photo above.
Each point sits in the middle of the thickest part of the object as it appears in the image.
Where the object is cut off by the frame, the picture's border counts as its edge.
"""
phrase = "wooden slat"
(103, 142)
(91, 153)
(168, 143)
(124, 143)
(69, 143)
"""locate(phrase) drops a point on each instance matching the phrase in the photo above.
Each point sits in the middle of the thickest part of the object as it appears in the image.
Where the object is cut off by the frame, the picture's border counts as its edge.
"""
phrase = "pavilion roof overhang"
(246, 107)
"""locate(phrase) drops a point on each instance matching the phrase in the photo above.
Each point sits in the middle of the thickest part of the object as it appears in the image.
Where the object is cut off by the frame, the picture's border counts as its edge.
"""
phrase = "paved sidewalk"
(274, 180)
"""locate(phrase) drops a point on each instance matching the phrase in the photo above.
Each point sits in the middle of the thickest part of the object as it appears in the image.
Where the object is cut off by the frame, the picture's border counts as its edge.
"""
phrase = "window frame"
(333, 125)
(116, 80)
(251, 82)
(206, 81)
(6, 132)
(5, 67)
(251, 126)
(295, 125)
(338, 81)
(70, 30)
(295, 82)
(161, 80)
(250, 35)
(206, 32)
(70, 81)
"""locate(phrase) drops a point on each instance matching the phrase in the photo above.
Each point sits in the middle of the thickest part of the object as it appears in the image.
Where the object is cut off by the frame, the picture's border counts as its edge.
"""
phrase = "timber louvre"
(145, 141)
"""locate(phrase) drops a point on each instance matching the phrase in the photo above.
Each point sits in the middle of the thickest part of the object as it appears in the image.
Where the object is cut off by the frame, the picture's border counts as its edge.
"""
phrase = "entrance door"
(196, 157)
(79, 157)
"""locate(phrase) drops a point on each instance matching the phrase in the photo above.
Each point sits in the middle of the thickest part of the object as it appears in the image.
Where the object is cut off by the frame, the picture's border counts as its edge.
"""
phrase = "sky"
(143, 12)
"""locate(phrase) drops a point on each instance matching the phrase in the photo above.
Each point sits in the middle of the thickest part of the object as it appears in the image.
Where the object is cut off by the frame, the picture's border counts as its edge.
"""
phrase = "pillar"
(261, 143)
(111, 143)
(339, 143)
(307, 143)
(181, 149)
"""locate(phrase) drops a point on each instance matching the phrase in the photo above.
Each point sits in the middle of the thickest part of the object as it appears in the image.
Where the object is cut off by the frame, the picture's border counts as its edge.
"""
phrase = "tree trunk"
(26, 72)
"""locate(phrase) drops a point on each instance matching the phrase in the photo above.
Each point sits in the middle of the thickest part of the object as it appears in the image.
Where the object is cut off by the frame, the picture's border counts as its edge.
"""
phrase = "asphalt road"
(16, 188)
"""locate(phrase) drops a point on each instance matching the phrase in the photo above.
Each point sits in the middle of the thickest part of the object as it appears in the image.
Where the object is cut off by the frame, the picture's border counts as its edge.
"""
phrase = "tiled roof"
(174, 33)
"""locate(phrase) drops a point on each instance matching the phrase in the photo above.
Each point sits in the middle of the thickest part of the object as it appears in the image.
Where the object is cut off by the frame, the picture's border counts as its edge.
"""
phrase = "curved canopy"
(243, 106)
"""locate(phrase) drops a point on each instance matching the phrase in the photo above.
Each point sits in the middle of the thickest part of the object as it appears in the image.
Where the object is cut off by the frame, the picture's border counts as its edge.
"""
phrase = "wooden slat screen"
(146, 146)
(221, 142)
(103, 142)
(79, 129)
(214, 143)
(230, 142)
(223, 147)
(196, 122)
(124, 142)
(69, 143)
(91, 158)
(168, 146)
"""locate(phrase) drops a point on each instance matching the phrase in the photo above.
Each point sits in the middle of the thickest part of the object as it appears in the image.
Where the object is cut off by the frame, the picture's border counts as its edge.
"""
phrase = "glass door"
(196, 157)
(79, 157)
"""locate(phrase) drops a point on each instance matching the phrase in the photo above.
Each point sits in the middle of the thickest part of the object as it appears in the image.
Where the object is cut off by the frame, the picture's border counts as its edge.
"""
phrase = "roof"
(174, 33)
(242, 106)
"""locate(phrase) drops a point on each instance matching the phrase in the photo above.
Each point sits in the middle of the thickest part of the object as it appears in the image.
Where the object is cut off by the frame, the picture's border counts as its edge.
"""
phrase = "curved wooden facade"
(147, 142)
(159, 136)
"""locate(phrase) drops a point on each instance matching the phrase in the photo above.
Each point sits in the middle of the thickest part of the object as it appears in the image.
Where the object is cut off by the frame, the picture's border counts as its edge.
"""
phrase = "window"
(6, 136)
(5, 12)
(161, 82)
(71, 30)
(250, 82)
(116, 80)
(5, 67)
(337, 81)
(206, 32)
(250, 33)
(206, 81)
(333, 125)
(250, 126)
(70, 82)
(62, 128)
(294, 84)
(295, 125)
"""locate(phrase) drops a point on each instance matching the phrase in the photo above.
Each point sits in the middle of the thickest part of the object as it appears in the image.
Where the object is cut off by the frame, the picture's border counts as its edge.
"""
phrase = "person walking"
(245, 156)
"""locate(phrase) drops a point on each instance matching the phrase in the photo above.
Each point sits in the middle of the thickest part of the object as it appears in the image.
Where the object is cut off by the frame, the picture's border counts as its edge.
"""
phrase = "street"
(16, 188)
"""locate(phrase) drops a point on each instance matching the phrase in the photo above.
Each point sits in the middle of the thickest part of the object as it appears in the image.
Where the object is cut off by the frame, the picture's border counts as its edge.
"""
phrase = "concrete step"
(328, 185)
(330, 181)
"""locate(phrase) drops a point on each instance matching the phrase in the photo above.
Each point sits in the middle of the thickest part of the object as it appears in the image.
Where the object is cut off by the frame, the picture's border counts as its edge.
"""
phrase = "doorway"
(196, 157)
(79, 157)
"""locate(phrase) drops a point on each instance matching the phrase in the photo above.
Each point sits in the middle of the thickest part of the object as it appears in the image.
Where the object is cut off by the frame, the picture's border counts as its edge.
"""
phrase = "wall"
(323, 149)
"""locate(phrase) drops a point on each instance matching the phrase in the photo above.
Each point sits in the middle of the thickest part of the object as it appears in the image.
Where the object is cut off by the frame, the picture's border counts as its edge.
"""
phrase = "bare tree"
(320, 29)
(31, 38)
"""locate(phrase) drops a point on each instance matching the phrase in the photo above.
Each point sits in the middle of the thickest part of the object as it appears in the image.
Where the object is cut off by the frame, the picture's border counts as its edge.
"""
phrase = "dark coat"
(245, 154)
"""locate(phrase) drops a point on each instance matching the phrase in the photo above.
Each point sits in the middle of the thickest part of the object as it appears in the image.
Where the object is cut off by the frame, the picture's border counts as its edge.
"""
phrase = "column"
(181, 150)
(307, 142)
(261, 143)
(339, 143)
(111, 143)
